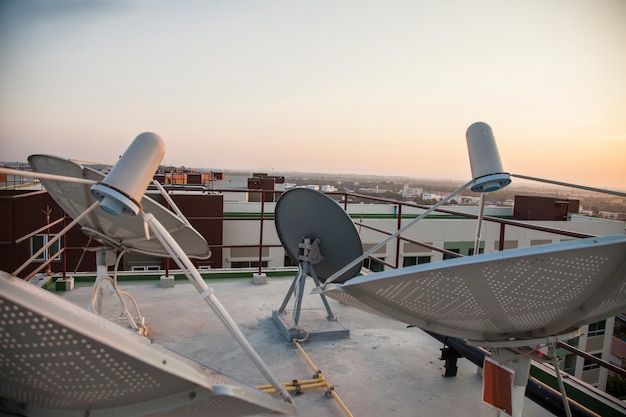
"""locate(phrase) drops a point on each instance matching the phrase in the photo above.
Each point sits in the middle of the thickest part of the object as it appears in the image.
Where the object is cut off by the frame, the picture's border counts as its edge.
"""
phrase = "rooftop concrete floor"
(382, 369)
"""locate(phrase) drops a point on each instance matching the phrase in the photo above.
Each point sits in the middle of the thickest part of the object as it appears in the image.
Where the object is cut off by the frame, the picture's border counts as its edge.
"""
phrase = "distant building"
(468, 200)
(544, 208)
(411, 191)
(431, 196)
(610, 214)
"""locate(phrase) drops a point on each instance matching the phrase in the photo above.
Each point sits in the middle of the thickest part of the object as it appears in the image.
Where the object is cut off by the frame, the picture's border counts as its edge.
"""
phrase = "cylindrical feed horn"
(487, 170)
(122, 189)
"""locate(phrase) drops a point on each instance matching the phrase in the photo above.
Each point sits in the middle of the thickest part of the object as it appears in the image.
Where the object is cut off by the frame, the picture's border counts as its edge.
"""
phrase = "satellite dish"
(305, 213)
(90, 366)
(120, 232)
(126, 217)
(518, 294)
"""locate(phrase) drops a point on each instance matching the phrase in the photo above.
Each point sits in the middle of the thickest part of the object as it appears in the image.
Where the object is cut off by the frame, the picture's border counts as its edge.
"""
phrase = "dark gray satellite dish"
(319, 236)
(306, 213)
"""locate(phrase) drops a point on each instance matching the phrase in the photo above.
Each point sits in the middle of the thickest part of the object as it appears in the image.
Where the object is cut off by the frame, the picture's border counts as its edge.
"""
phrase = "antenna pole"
(57, 237)
(17, 172)
(397, 233)
(183, 261)
(565, 184)
(169, 200)
(481, 213)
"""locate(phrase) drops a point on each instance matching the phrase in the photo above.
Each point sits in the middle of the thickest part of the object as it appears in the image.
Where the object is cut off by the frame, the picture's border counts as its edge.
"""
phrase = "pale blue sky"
(376, 87)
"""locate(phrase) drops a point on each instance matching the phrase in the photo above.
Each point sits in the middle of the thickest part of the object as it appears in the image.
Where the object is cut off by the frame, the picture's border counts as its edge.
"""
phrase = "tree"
(616, 386)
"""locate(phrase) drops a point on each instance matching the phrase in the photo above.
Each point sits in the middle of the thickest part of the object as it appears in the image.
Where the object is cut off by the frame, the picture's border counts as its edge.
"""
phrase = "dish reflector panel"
(303, 212)
(59, 359)
(514, 294)
(118, 231)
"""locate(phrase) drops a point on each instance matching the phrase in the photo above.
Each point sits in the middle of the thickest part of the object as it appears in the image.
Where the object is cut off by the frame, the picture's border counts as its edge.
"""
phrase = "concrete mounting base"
(313, 325)
(167, 281)
(259, 279)
(64, 284)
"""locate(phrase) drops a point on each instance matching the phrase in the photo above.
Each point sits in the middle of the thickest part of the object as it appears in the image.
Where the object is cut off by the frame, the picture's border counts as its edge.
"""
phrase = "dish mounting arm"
(308, 255)
(207, 293)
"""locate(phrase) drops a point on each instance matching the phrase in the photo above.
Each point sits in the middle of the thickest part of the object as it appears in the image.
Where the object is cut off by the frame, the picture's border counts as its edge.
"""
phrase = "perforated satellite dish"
(61, 360)
(515, 294)
(117, 231)
(303, 212)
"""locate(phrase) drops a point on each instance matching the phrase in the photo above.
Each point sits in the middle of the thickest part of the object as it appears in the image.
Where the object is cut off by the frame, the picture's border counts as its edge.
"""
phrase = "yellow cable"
(319, 382)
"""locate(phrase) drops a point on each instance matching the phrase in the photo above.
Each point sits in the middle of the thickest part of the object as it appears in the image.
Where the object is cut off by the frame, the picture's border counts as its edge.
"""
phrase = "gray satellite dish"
(503, 300)
(90, 366)
(306, 213)
(120, 232)
(518, 294)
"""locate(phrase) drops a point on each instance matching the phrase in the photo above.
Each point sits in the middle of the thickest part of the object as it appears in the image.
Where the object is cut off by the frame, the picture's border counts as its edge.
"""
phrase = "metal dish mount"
(319, 236)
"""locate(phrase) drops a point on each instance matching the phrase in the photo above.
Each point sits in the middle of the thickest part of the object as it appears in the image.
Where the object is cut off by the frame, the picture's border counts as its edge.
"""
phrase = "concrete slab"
(382, 369)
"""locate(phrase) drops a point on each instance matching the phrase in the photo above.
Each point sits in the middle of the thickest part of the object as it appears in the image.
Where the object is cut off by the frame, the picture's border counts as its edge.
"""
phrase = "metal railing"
(343, 198)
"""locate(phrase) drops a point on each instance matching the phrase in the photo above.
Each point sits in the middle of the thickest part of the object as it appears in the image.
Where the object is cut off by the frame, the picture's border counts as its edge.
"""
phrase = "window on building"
(569, 364)
(470, 251)
(39, 241)
(591, 365)
(465, 248)
(574, 342)
(446, 256)
(247, 264)
(409, 261)
(288, 261)
(415, 260)
(248, 257)
(146, 268)
(373, 264)
(423, 260)
(597, 329)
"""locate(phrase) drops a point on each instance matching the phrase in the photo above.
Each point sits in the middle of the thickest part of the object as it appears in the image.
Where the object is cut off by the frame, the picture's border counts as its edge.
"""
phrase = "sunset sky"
(367, 87)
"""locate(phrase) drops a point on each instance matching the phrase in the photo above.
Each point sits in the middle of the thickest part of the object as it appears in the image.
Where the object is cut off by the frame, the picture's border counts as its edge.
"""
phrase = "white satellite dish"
(119, 232)
(124, 223)
(518, 294)
(505, 300)
(59, 360)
